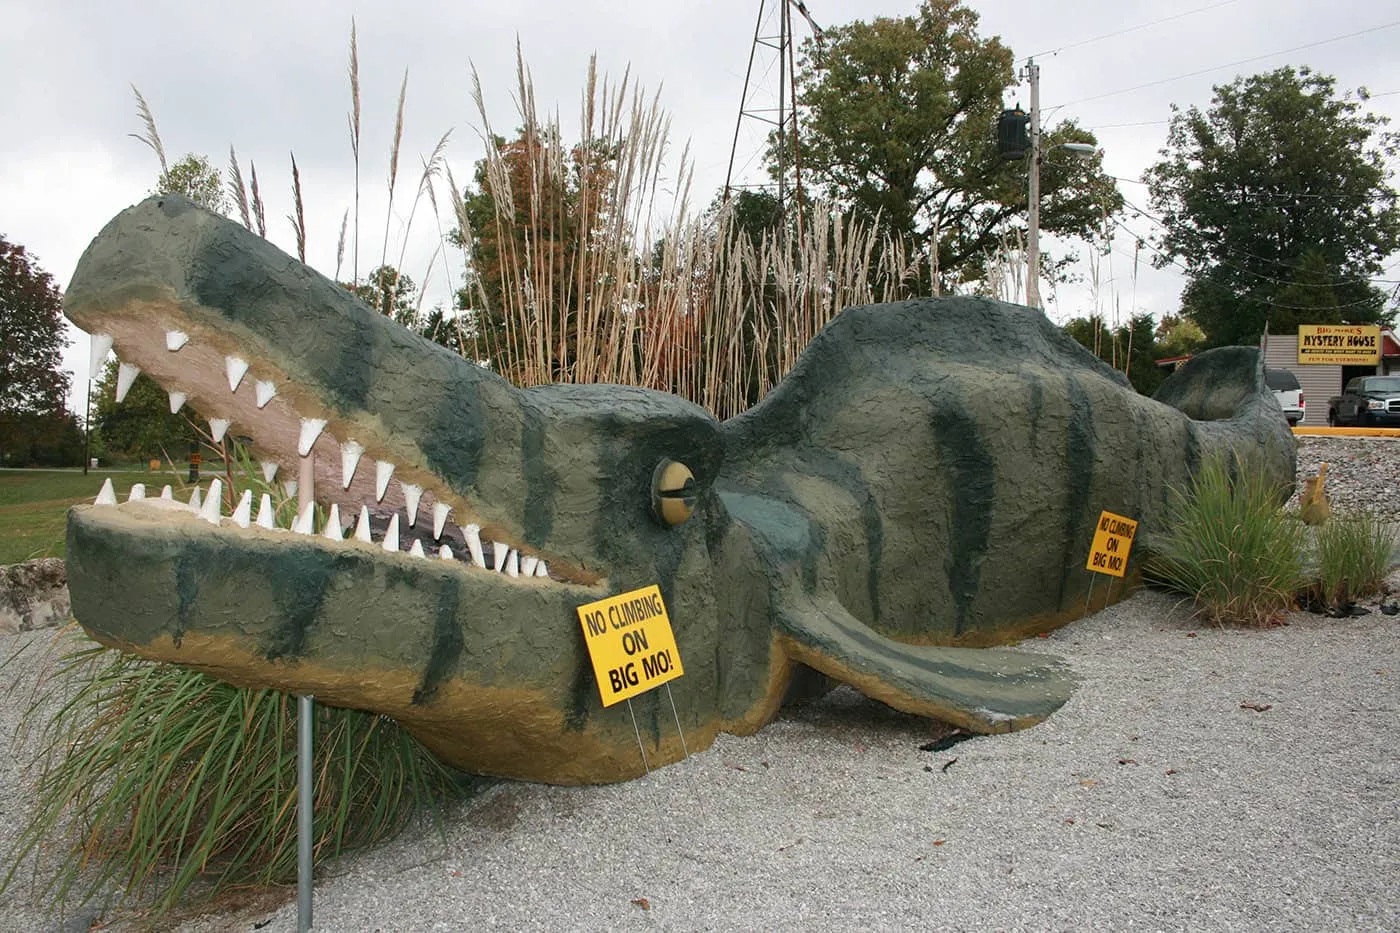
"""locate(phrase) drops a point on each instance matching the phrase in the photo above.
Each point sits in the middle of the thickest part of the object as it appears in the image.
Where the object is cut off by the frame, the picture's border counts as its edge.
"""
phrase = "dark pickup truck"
(1367, 401)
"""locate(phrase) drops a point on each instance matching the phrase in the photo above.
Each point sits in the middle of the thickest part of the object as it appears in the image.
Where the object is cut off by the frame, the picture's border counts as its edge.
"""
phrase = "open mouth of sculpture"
(364, 490)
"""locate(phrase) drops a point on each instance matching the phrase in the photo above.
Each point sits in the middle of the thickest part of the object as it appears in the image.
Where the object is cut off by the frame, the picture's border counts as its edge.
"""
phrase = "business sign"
(631, 644)
(1340, 344)
(1113, 540)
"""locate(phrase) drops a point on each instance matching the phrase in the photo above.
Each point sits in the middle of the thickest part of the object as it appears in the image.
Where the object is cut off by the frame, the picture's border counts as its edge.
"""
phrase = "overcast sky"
(269, 77)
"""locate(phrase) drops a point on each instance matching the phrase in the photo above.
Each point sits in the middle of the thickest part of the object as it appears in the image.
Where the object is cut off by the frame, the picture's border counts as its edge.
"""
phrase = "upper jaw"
(324, 389)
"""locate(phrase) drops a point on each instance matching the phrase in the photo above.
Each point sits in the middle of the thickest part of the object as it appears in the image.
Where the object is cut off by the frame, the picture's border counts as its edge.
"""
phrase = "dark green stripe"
(447, 641)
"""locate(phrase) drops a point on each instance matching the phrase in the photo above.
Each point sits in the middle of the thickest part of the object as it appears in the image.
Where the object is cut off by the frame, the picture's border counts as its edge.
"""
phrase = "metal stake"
(637, 730)
(681, 732)
(1090, 595)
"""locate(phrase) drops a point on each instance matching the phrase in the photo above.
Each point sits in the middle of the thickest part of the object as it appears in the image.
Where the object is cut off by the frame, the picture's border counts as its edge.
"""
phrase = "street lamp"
(1080, 150)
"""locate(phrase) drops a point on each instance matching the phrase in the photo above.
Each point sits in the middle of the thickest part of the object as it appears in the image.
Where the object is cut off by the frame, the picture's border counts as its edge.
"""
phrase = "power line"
(1262, 300)
(1242, 61)
(1114, 126)
(1123, 32)
(1350, 280)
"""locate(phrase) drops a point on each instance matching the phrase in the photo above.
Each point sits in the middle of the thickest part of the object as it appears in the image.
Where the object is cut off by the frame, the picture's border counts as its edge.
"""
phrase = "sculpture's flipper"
(979, 689)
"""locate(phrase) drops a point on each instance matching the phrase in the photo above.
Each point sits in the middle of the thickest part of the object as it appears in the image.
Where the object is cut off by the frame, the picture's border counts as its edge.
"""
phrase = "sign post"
(633, 650)
(630, 642)
(1113, 541)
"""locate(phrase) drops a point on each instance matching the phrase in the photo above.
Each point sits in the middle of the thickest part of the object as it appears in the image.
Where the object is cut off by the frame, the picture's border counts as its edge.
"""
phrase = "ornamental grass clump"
(1229, 546)
(162, 783)
(1354, 554)
(152, 778)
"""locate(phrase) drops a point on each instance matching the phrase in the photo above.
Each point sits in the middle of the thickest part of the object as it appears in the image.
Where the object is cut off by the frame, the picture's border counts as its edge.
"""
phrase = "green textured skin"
(924, 483)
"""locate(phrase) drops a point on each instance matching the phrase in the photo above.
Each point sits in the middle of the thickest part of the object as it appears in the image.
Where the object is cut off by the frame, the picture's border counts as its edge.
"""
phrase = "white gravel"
(1153, 800)
(1363, 473)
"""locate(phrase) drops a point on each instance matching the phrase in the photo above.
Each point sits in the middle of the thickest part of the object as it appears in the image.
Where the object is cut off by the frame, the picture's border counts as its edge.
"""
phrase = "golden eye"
(673, 492)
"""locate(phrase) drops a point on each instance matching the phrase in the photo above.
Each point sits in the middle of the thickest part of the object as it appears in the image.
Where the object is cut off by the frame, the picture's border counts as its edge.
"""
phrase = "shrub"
(1229, 547)
(163, 777)
(159, 777)
(1353, 556)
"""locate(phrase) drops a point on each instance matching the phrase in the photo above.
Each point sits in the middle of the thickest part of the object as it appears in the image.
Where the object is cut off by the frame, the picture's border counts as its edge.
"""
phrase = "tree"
(31, 335)
(33, 387)
(543, 231)
(141, 426)
(197, 179)
(392, 294)
(1277, 202)
(1130, 348)
(898, 123)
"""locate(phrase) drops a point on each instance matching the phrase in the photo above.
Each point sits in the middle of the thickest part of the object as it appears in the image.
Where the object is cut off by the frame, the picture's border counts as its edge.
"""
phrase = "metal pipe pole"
(1033, 223)
(306, 708)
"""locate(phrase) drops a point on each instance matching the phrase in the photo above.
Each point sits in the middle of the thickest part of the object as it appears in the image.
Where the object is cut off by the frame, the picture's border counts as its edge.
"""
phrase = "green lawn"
(34, 504)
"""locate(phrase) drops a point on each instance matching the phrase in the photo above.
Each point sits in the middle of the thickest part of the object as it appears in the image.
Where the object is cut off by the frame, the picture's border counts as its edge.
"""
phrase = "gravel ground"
(1198, 778)
(1363, 473)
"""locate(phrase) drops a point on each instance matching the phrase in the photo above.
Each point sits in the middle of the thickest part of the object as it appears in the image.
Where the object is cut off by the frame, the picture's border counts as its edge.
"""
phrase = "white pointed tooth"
(167, 493)
(106, 495)
(440, 513)
(445, 553)
(177, 401)
(209, 511)
(236, 369)
(269, 470)
(382, 471)
(310, 430)
(391, 535)
(126, 375)
(218, 427)
(362, 526)
(242, 514)
(265, 514)
(473, 535)
(175, 339)
(513, 564)
(289, 486)
(417, 549)
(527, 565)
(305, 523)
(541, 569)
(350, 453)
(263, 392)
(101, 346)
(196, 500)
(138, 492)
(411, 495)
(333, 529)
(498, 557)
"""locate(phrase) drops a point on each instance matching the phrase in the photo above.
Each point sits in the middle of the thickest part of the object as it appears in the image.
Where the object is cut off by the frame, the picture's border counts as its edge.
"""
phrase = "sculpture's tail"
(1219, 385)
(1223, 390)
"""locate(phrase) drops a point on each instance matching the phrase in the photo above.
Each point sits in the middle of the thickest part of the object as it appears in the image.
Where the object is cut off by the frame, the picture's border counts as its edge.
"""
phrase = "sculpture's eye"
(673, 492)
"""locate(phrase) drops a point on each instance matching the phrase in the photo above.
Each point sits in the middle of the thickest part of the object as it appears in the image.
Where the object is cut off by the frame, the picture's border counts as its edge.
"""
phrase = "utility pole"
(1033, 222)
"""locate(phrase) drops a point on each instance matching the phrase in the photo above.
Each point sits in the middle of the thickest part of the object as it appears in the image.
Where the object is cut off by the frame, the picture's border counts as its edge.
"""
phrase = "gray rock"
(33, 595)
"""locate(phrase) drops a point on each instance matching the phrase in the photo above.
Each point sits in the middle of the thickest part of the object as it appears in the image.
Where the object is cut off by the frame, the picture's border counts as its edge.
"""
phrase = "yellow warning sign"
(1113, 540)
(630, 640)
(1344, 344)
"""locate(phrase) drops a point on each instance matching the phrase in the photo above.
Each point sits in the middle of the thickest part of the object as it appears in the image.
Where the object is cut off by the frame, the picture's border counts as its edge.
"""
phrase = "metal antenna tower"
(784, 115)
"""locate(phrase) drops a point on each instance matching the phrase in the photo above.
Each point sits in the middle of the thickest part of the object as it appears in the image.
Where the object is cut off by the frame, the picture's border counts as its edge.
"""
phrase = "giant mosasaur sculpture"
(924, 483)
